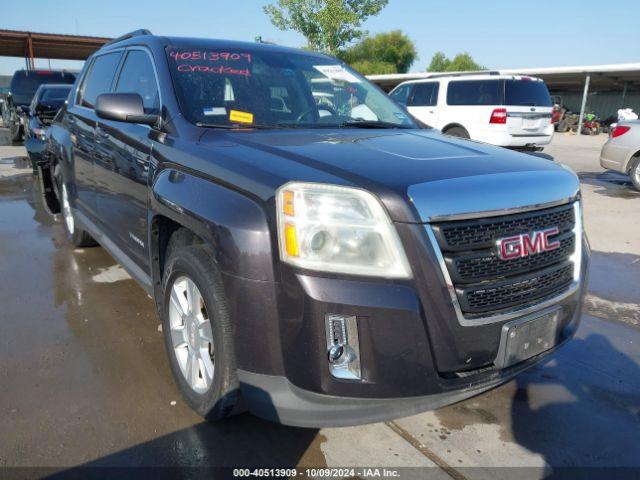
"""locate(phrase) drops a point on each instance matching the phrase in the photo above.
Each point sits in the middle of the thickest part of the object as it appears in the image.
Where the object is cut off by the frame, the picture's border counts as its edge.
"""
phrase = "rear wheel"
(634, 173)
(76, 235)
(198, 332)
(459, 132)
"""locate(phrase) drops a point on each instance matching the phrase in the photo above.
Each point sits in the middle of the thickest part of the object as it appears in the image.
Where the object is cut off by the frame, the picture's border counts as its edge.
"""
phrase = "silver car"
(622, 151)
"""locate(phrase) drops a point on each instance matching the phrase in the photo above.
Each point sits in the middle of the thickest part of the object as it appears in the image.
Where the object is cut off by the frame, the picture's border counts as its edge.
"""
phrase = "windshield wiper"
(216, 125)
(248, 126)
(370, 124)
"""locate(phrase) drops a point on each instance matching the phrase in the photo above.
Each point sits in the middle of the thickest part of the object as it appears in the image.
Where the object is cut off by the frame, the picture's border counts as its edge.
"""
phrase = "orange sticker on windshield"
(241, 117)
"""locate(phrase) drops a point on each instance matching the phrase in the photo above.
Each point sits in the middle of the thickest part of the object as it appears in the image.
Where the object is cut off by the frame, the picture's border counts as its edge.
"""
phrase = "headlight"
(338, 229)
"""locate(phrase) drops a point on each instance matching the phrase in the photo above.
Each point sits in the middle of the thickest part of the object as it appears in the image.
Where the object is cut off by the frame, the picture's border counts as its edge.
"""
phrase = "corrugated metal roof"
(15, 43)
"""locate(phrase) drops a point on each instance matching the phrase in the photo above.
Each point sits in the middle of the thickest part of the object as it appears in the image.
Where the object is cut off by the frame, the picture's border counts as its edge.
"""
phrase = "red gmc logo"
(525, 244)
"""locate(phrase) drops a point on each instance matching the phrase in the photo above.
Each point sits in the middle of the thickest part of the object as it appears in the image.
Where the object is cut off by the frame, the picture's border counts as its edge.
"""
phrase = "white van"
(505, 110)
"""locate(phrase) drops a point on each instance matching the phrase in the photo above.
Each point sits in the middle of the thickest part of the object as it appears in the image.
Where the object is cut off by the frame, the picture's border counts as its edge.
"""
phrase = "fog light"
(343, 347)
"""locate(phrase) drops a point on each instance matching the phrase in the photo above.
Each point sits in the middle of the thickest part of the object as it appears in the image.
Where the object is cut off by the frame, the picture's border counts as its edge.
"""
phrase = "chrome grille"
(484, 284)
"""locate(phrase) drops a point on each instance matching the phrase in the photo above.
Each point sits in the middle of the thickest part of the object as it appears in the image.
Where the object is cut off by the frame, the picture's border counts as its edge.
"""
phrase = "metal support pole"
(584, 103)
(624, 94)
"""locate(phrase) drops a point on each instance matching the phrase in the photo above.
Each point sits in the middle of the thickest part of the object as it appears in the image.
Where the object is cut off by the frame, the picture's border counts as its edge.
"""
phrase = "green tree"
(391, 48)
(462, 62)
(439, 63)
(328, 25)
(372, 67)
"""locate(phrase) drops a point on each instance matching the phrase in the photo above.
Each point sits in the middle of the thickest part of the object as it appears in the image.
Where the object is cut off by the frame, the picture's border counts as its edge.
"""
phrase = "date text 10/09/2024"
(321, 473)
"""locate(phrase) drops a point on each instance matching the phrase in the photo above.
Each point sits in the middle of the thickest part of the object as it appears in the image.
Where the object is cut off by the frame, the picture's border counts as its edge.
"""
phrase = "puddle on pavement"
(88, 336)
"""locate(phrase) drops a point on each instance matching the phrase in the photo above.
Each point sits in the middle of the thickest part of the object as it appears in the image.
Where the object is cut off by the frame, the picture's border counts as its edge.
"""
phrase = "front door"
(122, 168)
(423, 102)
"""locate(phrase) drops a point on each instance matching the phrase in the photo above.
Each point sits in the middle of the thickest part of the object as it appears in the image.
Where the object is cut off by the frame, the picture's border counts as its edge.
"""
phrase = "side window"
(475, 92)
(425, 95)
(401, 94)
(99, 78)
(137, 76)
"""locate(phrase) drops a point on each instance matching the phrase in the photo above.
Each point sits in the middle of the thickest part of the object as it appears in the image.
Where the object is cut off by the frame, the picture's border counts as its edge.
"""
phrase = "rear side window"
(401, 94)
(99, 78)
(526, 92)
(137, 76)
(424, 95)
(475, 92)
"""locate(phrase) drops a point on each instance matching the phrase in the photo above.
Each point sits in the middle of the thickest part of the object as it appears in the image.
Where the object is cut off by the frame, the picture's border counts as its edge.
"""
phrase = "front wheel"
(15, 131)
(198, 332)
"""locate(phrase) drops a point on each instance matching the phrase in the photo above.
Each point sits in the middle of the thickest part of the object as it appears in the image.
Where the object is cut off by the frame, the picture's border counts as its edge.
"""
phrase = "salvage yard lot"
(85, 379)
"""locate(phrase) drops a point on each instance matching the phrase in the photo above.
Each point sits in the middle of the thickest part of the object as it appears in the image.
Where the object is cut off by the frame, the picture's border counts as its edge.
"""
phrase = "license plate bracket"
(525, 338)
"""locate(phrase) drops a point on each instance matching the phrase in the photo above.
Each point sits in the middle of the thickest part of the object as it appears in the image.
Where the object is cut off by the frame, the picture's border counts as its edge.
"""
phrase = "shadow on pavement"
(612, 184)
(582, 409)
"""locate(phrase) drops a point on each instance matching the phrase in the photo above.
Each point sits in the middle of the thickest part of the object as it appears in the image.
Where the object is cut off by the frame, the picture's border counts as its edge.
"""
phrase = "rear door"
(470, 103)
(81, 122)
(423, 102)
(122, 173)
(529, 107)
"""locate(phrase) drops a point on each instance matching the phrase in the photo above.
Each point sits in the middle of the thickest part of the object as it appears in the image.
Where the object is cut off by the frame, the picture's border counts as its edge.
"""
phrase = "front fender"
(233, 224)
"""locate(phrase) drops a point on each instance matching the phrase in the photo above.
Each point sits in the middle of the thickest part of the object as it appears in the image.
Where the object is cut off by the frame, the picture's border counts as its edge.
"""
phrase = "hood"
(441, 175)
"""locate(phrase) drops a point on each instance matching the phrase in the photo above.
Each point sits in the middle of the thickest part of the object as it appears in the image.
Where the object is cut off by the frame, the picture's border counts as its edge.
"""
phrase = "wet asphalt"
(84, 379)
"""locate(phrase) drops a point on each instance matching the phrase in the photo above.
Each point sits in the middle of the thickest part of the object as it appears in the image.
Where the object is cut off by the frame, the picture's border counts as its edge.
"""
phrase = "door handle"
(100, 133)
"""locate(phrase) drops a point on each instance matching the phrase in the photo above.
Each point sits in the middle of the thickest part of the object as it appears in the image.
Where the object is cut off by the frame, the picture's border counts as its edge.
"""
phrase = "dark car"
(46, 102)
(23, 86)
(311, 250)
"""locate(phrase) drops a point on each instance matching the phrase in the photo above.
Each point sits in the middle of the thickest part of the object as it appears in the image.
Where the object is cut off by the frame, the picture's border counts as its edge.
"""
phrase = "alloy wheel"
(191, 334)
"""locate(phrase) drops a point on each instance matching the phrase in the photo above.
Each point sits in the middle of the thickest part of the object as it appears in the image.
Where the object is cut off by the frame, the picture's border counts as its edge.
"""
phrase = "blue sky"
(498, 34)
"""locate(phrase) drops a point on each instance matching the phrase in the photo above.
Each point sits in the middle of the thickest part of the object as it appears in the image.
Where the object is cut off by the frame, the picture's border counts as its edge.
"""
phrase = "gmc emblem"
(526, 244)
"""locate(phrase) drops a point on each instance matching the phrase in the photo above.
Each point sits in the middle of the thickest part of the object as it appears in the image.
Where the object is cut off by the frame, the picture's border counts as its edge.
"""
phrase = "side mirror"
(123, 107)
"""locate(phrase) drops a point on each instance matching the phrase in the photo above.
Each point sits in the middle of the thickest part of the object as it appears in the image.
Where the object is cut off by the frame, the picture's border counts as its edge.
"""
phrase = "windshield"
(526, 92)
(276, 90)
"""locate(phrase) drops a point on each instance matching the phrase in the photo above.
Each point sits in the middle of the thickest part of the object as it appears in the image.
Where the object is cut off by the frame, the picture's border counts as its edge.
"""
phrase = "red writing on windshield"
(185, 67)
(210, 56)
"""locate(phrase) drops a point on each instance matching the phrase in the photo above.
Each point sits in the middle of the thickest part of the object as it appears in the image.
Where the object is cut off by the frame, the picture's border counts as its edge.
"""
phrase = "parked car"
(46, 102)
(310, 249)
(505, 110)
(622, 151)
(23, 86)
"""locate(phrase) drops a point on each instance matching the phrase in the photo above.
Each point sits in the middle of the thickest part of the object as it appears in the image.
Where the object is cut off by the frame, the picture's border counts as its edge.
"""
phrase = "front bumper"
(414, 354)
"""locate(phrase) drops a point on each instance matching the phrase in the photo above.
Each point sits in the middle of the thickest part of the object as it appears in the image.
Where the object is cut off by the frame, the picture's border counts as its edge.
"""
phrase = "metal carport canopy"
(31, 45)
(557, 77)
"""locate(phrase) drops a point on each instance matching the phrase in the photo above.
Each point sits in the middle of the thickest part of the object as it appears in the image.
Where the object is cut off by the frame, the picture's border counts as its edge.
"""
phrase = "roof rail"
(464, 74)
(135, 33)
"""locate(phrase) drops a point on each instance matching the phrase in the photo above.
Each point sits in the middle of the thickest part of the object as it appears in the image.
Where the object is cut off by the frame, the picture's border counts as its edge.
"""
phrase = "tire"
(634, 173)
(211, 350)
(459, 132)
(15, 132)
(76, 235)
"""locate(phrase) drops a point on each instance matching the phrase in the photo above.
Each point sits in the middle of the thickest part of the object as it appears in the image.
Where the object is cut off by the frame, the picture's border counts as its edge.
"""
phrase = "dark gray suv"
(312, 250)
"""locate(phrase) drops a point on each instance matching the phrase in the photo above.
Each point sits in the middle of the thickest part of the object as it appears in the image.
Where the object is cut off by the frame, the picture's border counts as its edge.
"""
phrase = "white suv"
(506, 110)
